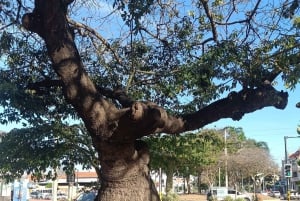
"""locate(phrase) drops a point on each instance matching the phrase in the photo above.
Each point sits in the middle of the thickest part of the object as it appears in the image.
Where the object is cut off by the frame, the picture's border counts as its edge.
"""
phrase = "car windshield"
(88, 196)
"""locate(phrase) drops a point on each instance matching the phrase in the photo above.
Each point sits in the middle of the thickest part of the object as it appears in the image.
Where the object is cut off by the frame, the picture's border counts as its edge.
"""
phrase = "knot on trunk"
(148, 113)
(47, 16)
(129, 168)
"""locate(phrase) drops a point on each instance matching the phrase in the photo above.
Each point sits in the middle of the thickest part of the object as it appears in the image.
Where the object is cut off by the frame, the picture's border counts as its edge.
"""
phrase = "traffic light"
(287, 170)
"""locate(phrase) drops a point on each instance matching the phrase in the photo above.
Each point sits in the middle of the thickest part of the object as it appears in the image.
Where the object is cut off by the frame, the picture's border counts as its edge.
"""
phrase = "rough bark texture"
(124, 161)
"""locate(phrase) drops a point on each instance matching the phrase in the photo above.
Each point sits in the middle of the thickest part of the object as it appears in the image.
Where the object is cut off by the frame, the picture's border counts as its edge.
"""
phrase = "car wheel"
(246, 199)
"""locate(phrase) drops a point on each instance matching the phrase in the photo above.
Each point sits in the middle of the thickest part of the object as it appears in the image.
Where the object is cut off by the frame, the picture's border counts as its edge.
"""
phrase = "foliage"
(228, 198)
(180, 66)
(44, 149)
(184, 152)
(170, 197)
(239, 199)
(244, 155)
(250, 163)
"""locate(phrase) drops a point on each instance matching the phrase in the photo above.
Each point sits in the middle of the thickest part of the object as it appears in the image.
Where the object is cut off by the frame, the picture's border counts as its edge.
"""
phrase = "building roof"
(295, 155)
(81, 175)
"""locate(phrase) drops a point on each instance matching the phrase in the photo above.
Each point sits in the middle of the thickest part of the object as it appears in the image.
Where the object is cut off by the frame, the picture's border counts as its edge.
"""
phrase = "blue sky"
(271, 125)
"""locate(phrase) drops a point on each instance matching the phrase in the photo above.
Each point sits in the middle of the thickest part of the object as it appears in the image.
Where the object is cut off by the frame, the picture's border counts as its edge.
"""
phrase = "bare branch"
(210, 17)
(91, 31)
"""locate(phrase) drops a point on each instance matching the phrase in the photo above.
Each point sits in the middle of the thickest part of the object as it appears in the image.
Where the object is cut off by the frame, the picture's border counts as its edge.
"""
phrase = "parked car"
(47, 196)
(294, 195)
(87, 196)
(236, 194)
(275, 194)
(36, 195)
(220, 193)
(62, 196)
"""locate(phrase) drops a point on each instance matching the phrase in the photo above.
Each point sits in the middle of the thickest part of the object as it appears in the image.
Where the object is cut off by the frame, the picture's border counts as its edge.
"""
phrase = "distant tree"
(236, 141)
(201, 151)
(259, 144)
(183, 154)
(252, 162)
(55, 145)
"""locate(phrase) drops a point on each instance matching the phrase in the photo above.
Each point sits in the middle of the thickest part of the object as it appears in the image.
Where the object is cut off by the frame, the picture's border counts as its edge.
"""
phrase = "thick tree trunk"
(125, 173)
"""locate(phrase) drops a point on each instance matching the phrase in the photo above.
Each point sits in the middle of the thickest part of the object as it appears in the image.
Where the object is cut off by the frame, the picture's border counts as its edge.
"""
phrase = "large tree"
(168, 70)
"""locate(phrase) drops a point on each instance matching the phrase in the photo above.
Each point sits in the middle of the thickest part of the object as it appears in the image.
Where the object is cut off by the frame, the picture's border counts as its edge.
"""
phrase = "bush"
(228, 198)
(170, 197)
(239, 199)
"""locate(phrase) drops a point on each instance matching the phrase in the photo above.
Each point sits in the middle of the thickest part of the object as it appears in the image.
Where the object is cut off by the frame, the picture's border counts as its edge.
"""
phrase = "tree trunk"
(125, 173)
(188, 184)
(169, 182)
(199, 181)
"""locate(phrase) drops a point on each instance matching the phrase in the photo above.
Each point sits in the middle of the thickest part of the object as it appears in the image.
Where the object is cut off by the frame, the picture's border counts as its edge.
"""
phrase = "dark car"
(36, 195)
(87, 196)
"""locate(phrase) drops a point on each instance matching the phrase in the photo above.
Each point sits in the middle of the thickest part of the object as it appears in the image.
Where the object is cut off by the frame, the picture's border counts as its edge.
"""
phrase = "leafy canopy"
(44, 149)
(180, 55)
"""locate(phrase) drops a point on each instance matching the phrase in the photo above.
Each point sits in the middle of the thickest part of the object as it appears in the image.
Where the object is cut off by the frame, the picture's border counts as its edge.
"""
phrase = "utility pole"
(226, 165)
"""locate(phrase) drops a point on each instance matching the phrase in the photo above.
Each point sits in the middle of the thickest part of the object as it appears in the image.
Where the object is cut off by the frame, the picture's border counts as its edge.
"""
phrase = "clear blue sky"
(271, 125)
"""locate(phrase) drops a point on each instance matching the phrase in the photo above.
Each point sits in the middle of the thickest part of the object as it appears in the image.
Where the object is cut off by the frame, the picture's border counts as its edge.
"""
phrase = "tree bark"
(125, 173)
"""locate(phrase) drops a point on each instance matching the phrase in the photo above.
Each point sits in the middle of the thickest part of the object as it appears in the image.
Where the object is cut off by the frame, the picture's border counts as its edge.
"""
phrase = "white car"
(275, 194)
(236, 194)
(220, 194)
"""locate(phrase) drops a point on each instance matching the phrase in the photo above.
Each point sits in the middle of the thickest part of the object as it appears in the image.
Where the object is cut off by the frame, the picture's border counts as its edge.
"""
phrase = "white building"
(294, 182)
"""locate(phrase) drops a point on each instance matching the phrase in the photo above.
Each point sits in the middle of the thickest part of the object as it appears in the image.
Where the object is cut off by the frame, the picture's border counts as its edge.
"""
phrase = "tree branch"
(210, 17)
(235, 106)
(91, 31)
(49, 20)
(117, 94)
